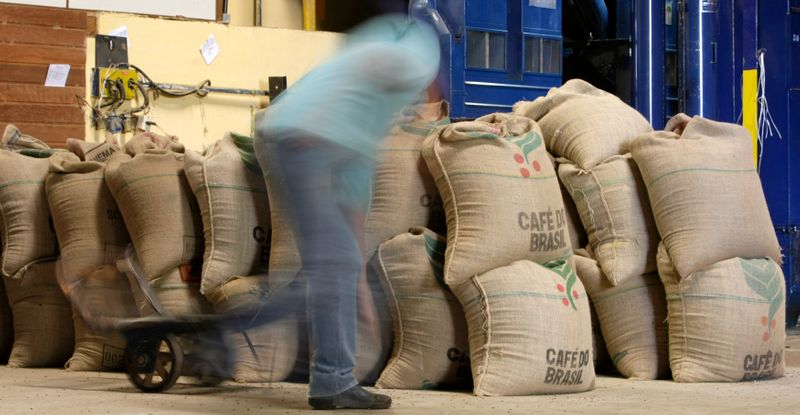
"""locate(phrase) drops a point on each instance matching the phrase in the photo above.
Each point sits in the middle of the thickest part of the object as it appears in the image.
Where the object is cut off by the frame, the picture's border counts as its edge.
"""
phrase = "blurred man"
(323, 133)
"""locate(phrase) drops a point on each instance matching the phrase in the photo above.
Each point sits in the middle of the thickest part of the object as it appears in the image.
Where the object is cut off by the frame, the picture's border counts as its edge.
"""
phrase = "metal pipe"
(237, 91)
(259, 17)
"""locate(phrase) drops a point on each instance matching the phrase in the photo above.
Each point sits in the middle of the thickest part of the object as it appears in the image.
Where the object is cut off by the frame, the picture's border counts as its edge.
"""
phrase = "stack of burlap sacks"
(492, 247)
(491, 299)
(56, 204)
(590, 131)
(715, 278)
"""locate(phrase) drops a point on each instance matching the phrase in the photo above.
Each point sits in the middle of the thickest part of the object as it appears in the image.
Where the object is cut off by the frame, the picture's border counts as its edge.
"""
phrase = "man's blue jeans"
(322, 184)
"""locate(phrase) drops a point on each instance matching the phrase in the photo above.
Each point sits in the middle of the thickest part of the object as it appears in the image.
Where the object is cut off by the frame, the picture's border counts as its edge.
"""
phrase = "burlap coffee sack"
(403, 193)
(91, 234)
(615, 211)
(705, 194)
(584, 124)
(152, 141)
(500, 193)
(102, 299)
(43, 333)
(13, 139)
(26, 233)
(160, 212)
(632, 318)
(230, 190)
(430, 332)
(529, 330)
(726, 321)
(272, 352)
(577, 234)
(87, 151)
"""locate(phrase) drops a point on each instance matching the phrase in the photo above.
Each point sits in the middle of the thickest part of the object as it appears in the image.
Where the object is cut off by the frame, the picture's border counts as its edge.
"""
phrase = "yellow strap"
(310, 15)
(750, 107)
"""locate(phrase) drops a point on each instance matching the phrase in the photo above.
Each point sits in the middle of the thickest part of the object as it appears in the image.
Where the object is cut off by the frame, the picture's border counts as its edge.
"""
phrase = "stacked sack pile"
(719, 258)
(404, 242)
(490, 244)
(508, 257)
(230, 189)
(591, 132)
(42, 328)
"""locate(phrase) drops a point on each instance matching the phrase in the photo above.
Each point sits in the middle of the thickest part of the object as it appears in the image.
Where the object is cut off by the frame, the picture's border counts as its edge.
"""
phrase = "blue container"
(779, 35)
(497, 52)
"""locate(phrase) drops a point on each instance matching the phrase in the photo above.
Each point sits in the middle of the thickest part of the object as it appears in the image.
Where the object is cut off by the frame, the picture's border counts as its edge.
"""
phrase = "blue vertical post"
(514, 40)
(701, 58)
(649, 52)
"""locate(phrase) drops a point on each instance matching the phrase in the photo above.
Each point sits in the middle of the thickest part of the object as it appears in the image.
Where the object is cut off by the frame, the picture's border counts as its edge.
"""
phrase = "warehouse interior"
(420, 206)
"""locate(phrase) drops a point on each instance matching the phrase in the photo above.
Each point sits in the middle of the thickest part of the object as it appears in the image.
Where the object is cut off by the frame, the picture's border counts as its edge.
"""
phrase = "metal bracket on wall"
(277, 84)
(110, 51)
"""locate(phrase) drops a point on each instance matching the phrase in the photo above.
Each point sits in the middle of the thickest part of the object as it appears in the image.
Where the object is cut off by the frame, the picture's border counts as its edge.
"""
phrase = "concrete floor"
(53, 391)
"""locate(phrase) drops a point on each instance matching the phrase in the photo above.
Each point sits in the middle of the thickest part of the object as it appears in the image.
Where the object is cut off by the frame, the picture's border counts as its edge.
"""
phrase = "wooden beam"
(42, 16)
(41, 113)
(29, 93)
(36, 74)
(48, 36)
(41, 54)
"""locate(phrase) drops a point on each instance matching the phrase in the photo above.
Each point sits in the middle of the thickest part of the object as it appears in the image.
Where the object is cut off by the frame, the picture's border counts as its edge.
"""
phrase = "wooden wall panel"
(31, 38)
(35, 74)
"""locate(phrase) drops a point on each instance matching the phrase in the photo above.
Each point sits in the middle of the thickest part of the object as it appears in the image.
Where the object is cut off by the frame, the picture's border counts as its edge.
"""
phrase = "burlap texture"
(179, 295)
(615, 211)
(705, 194)
(143, 142)
(632, 319)
(91, 234)
(13, 139)
(602, 361)
(726, 321)
(529, 330)
(160, 212)
(430, 332)
(25, 231)
(500, 194)
(103, 298)
(43, 334)
(87, 151)
(232, 196)
(584, 124)
(577, 234)
(403, 193)
(284, 258)
(272, 352)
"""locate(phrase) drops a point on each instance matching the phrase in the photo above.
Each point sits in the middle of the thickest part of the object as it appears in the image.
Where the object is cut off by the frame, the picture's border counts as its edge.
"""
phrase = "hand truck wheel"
(154, 364)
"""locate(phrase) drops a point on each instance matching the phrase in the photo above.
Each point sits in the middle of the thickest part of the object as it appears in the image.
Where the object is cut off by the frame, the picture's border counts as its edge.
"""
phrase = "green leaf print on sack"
(435, 249)
(566, 272)
(763, 277)
(244, 145)
(527, 145)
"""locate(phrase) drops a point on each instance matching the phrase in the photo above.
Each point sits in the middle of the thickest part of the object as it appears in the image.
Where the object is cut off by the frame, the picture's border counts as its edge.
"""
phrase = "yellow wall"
(282, 14)
(286, 14)
(242, 12)
(168, 51)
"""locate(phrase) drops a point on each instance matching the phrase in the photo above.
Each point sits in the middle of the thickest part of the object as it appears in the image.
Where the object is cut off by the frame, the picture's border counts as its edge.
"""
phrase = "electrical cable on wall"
(766, 126)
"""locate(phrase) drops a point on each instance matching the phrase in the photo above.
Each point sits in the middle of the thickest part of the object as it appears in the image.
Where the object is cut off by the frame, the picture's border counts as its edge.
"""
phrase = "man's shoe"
(353, 398)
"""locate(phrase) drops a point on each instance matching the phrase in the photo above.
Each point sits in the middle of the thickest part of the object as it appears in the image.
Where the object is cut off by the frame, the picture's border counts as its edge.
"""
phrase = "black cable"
(120, 94)
(200, 90)
(133, 83)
